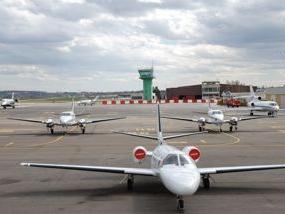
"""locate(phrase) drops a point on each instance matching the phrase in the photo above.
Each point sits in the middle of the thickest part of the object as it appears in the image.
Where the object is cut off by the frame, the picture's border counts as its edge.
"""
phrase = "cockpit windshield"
(174, 159)
(273, 104)
(217, 112)
(65, 114)
(183, 160)
(171, 159)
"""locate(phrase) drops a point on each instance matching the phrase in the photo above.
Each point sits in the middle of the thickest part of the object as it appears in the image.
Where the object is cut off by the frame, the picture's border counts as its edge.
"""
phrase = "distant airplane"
(88, 102)
(255, 103)
(215, 117)
(176, 168)
(9, 102)
(67, 119)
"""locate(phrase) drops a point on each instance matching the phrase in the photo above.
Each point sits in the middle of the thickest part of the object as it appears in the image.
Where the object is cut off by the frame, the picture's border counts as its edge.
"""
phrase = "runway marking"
(203, 141)
(7, 130)
(9, 144)
(57, 140)
(282, 131)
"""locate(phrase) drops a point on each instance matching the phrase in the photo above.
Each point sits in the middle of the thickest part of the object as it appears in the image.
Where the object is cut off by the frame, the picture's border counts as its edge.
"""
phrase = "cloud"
(97, 45)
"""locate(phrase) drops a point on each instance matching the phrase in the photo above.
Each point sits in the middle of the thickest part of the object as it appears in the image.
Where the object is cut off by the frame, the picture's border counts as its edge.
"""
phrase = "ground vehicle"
(233, 103)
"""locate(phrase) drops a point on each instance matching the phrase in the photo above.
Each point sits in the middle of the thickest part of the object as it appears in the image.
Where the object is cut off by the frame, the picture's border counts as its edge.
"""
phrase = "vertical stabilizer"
(73, 105)
(12, 96)
(159, 127)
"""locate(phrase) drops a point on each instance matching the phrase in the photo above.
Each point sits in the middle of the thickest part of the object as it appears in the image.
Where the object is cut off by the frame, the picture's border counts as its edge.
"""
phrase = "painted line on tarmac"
(9, 144)
(203, 141)
(57, 140)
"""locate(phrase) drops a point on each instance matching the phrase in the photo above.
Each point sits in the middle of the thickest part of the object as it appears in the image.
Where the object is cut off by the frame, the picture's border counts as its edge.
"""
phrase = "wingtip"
(24, 164)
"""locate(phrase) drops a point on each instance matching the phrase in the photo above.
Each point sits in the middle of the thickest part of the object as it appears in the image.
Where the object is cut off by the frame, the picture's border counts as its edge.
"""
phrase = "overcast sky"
(96, 45)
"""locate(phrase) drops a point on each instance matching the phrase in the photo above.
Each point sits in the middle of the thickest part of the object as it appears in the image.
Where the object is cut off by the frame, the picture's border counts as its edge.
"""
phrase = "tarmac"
(35, 190)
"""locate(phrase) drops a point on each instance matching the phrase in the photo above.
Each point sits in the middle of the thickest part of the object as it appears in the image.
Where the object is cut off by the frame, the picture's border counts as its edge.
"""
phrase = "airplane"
(9, 102)
(176, 168)
(88, 102)
(215, 117)
(67, 119)
(255, 103)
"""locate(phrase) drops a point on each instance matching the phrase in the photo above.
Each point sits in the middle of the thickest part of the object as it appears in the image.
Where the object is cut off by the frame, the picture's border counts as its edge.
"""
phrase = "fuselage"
(217, 116)
(67, 118)
(8, 102)
(262, 105)
(178, 172)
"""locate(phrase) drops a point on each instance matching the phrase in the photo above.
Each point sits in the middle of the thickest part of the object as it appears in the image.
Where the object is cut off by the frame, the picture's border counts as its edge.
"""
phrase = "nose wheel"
(51, 130)
(83, 130)
(180, 203)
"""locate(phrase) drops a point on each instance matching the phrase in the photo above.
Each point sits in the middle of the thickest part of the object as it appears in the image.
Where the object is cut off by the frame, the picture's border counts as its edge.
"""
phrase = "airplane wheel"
(4, 107)
(236, 128)
(83, 131)
(231, 128)
(221, 130)
(206, 183)
(13, 107)
(180, 204)
(51, 131)
(251, 113)
(200, 128)
(269, 114)
(130, 182)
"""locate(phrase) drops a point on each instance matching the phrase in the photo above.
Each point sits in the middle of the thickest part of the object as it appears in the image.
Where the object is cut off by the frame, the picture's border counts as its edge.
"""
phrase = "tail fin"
(159, 128)
(209, 107)
(73, 105)
(251, 91)
(12, 96)
(96, 98)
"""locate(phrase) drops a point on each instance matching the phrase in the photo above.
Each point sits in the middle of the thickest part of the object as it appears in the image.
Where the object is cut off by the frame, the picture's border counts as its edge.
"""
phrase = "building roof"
(275, 90)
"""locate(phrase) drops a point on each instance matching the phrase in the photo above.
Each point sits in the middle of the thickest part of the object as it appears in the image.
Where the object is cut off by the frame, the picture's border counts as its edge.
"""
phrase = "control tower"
(146, 74)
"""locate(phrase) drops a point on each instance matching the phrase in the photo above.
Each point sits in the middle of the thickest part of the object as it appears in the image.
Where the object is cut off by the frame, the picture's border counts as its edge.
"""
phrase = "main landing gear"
(180, 203)
(231, 128)
(83, 130)
(206, 181)
(130, 182)
(251, 113)
(201, 128)
(51, 130)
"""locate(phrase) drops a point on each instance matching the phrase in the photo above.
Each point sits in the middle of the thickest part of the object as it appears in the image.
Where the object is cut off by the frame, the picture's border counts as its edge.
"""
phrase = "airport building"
(213, 89)
(276, 94)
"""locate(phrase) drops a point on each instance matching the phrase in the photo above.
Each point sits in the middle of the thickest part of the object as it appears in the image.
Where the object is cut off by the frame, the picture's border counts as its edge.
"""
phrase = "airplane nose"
(180, 180)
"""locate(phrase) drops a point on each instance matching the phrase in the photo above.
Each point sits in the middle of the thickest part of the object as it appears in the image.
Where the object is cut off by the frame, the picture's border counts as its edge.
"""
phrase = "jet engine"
(234, 121)
(49, 123)
(139, 154)
(193, 152)
(202, 121)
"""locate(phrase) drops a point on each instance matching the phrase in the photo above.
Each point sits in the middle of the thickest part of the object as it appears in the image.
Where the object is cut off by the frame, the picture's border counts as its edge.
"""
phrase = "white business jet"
(255, 103)
(67, 119)
(176, 168)
(88, 102)
(215, 117)
(9, 102)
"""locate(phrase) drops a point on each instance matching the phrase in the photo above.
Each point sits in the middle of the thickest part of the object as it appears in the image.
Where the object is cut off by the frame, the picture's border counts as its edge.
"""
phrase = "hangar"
(213, 89)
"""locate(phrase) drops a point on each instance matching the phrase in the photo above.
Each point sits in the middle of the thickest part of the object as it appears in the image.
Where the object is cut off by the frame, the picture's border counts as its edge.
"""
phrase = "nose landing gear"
(180, 203)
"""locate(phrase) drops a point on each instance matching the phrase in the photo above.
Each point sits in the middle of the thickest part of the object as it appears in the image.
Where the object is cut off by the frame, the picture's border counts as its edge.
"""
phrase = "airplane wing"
(181, 118)
(104, 120)
(137, 135)
(33, 121)
(247, 118)
(219, 170)
(27, 120)
(119, 170)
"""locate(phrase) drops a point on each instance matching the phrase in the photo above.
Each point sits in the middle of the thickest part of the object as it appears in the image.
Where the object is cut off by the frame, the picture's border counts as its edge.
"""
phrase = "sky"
(98, 45)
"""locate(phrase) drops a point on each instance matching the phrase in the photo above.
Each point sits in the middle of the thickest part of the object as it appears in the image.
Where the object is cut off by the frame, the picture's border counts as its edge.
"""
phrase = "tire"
(51, 131)
(83, 131)
(231, 128)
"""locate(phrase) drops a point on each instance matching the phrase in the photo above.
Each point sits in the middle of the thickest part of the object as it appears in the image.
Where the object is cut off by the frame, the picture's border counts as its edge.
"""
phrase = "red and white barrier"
(123, 102)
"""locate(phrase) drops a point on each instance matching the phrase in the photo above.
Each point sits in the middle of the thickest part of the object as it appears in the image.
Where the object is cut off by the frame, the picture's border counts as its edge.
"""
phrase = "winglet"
(24, 164)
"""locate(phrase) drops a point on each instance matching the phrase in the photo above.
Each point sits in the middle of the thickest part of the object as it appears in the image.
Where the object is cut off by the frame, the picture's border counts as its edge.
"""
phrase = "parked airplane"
(215, 117)
(176, 168)
(67, 119)
(255, 103)
(9, 102)
(88, 102)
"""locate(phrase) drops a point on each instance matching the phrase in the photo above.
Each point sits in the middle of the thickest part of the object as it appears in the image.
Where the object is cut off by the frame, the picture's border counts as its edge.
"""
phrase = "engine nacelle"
(202, 121)
(139, 154)
(234, 121)
(193, 152)
(49, 123)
